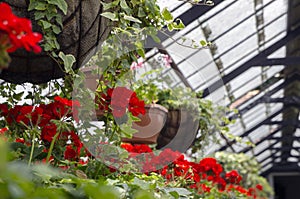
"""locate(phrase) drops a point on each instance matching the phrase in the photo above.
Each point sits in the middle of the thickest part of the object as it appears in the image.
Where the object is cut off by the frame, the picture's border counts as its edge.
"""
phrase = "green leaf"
(170, 27)
(127, 130)
(18, 96)
(110, 15)
(124, 6)
(167, 15)
(131, 18)
(61, 4)
(68, 62)
(143, 194)
(141, 12)
(37, 5)
(179, 191)
(203, 43)
(58, 20)
(142, 184)
(107, 6)
(56, 29)
(141, 52)
(178, 25)
(38, 15)
(45, 24)
(174, 194)
(16, 145)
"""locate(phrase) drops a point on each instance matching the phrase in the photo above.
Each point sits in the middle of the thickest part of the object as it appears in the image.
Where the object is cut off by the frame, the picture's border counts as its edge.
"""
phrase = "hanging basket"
(84, 30)
(150, 125)
(179, 131)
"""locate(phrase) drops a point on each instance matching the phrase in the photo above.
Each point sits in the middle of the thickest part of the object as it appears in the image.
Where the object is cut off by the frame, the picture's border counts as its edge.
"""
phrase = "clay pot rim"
(156, 106)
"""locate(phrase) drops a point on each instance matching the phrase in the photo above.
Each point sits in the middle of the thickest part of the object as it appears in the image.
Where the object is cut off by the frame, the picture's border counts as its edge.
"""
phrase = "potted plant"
(72, 27)
(190, 118)
(149, 126)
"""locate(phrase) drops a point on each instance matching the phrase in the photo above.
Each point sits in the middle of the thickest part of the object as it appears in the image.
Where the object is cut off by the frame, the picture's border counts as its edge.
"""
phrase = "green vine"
(48, 17)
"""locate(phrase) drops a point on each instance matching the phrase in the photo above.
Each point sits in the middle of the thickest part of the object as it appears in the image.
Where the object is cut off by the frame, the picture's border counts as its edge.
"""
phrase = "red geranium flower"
(233, 177)
(70, 153)
(3, 130)
(3, 110)
(48, 132)
(128, 147)
(121, 99)
(19, 31)
(210, 164)
(136, 106)
(20, 140)
(259, 187)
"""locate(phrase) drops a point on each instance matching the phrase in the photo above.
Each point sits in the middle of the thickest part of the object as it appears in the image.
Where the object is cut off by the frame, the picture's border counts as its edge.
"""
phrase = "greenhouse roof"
(250, 66)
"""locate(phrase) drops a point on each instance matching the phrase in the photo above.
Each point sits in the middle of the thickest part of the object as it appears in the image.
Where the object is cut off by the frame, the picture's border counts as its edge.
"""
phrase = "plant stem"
(32, 149)
(51, 147)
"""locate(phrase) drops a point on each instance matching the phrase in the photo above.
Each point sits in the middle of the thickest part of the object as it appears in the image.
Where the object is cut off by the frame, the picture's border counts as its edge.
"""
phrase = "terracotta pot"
(91, 80)
(179, 132)
(150, 125)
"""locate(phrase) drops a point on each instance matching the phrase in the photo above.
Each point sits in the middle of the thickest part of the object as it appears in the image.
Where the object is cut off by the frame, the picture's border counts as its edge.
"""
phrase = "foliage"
(152, 88)
(248, 167)
(179, 179)
(48, 15)
(44, 156)
(35, 181)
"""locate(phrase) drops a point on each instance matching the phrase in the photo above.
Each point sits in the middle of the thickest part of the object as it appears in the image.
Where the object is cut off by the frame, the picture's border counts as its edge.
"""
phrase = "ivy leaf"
(203, 43)
(174, 194)
(45, 24)
(68, 61)
(127, 130)
(141, 52)
(167, 15)
(142, 184)
(110, 15)
(36, 5)
(124, 6)
(38, 15)
(131, 18)
(62, 5)
(141, 12)
(18, 96)
(56, 29)
(178, 25)
(107, 6)
(58, 20)
(179, 191)
(170, 27)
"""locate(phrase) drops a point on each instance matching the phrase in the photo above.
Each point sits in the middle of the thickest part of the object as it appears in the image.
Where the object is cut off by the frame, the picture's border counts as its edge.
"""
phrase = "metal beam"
(262, 151)
(280, 165)
(284, 123)
(274, 157)
(287, 61)
(262, 140)
(285, 138)
(252, 62)
(188, 17)
(290, 167)
(265, 98)
(253, 128)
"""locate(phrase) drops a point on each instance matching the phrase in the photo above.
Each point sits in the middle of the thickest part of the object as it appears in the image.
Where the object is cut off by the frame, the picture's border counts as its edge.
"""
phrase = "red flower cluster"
(42, 116)
(233, 177)
(120, 99)
(202, 176)
(18, 31)
(139, 148)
